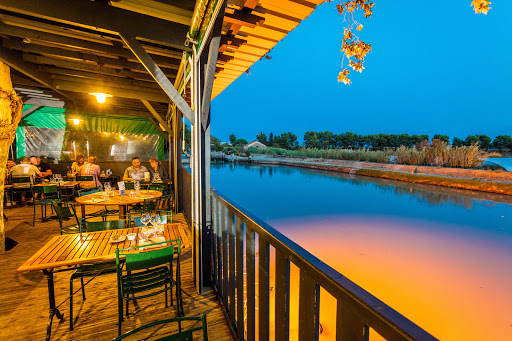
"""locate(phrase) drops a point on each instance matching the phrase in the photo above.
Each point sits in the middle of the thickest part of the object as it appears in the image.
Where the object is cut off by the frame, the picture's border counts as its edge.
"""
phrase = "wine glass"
(155, 221)
(145, 219)
(136, 186)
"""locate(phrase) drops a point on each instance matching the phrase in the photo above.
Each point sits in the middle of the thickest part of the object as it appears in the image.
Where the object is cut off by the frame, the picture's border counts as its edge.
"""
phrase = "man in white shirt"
(24, 169)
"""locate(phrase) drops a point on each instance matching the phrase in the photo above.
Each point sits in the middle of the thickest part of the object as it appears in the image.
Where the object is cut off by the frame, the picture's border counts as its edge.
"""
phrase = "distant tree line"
(349, 140)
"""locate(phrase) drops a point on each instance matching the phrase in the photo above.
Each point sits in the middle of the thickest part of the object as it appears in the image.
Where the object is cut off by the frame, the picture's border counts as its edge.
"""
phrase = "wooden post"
(10, 115)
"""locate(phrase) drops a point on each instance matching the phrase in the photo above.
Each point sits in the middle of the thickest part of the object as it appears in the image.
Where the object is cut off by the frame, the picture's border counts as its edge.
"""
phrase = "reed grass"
(335, 154)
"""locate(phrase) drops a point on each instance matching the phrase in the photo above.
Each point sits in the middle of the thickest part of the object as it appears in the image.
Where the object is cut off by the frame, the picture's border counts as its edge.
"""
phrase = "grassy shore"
(469, 184)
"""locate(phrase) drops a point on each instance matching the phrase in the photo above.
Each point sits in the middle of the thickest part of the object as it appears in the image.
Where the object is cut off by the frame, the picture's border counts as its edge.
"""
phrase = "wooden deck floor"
(24, 297)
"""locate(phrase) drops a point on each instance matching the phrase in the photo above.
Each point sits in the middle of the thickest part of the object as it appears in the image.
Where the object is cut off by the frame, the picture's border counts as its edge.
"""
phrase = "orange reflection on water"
(454, 286)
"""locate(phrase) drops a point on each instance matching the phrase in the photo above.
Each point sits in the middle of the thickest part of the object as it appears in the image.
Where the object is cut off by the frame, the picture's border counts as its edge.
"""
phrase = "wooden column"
(10, 115)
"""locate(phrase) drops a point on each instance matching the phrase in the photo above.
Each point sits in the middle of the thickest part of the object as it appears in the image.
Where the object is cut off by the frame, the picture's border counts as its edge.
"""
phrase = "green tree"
(262, 138)
(188, 138)
(443, 138)
(215, 144)
(239, 142)
(270, 139)
(311, 140)
(457, 142)
(485, 141)
(502, 142)
(472, 139)
(232, 138)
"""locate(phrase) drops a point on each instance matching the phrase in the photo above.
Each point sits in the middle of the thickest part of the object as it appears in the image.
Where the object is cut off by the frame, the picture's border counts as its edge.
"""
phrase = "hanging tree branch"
(355, 48)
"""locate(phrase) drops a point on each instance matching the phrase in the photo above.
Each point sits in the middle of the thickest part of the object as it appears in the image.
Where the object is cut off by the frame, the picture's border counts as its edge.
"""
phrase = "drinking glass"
(145, 219)
(155, 221)
(136, 186)
(107, 186)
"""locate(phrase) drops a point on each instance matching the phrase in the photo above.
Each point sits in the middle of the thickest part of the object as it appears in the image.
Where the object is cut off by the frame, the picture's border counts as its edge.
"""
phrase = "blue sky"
(434, 68)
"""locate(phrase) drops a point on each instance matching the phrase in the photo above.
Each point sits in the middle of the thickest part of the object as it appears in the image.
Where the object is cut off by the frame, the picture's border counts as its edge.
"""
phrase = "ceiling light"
(100, 97)
(76, 121)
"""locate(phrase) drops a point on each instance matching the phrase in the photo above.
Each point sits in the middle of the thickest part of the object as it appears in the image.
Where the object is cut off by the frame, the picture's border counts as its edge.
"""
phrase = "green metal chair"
(21, 181)
(65, 211)
(182, 335)
(157, 187)
(84, 178)
(67, 194)
(92, 270)
(49, 195)
(144, 274)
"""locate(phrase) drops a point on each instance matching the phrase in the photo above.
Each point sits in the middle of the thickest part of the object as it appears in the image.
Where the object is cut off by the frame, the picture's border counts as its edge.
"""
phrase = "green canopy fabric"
(60, 118)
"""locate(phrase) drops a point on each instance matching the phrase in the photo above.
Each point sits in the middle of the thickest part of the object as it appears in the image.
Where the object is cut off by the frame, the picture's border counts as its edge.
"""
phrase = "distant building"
(254, 144)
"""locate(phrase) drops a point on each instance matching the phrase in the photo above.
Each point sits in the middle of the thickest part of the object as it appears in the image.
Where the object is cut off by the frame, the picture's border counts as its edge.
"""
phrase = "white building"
(254, 144)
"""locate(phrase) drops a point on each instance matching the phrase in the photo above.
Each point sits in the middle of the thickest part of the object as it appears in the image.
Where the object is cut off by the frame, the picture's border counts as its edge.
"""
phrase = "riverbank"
(470, 179)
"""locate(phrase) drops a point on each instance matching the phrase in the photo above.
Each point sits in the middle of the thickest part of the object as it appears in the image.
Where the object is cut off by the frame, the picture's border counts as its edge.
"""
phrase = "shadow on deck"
(24, 297)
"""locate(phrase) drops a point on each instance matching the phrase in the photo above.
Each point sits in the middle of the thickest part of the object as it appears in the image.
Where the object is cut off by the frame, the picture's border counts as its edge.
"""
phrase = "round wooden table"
(121, 201)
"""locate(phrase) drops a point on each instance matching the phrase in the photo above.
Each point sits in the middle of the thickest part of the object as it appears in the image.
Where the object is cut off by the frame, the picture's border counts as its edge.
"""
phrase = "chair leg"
(83, 289)
(34, 217)
(71, 304)
(165, 293)
(119, 313)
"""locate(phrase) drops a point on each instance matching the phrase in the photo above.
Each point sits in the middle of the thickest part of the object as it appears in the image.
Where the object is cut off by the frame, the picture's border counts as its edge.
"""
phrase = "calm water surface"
(441, 257)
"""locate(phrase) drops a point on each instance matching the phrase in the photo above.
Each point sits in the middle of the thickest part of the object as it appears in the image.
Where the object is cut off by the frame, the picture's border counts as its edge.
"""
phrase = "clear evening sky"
(435, 68)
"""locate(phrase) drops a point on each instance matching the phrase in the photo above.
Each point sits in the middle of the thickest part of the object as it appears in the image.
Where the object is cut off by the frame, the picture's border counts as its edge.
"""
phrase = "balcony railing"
(244, 252)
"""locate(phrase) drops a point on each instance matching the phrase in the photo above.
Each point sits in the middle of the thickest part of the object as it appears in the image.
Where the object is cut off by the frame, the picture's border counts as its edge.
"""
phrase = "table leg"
(53, 310)
(82, 206)
(122, 212)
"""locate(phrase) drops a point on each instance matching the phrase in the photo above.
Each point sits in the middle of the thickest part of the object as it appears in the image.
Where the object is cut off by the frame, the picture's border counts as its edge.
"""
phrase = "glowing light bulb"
(76, 121)
(101, 98)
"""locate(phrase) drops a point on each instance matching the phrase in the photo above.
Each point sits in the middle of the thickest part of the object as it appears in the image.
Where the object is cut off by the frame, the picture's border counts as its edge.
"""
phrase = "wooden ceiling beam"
(75, 43)
(243, 18)
(87, 87)
(117, 83)
(97, 15)
(14, 60)
(156, 9)
(78, 55)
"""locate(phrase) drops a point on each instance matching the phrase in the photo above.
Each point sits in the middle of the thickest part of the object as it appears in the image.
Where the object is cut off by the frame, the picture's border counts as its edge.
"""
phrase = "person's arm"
(164, 175)
(126, 176)
(47, 172)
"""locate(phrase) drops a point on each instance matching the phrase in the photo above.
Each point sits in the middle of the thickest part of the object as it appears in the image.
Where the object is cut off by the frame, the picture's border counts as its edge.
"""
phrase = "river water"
(441, 257)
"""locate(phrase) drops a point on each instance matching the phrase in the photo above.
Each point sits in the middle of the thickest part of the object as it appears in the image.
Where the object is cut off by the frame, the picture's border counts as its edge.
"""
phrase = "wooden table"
(74, 249)
(67, 184)
(121, 201)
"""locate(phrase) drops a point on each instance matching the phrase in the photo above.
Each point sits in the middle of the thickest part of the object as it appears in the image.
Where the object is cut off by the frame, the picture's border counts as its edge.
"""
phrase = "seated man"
(78, 164)
(24, 169)
(10, 163)
(135, 171)
(43, 167)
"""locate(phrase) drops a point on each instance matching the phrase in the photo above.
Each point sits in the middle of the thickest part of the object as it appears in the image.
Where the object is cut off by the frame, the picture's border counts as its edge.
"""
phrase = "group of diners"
(34, 168)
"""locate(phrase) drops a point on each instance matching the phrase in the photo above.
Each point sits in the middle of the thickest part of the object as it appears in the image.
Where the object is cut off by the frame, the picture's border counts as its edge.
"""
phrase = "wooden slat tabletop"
(97, 198)
(73, 249)
(62, 184)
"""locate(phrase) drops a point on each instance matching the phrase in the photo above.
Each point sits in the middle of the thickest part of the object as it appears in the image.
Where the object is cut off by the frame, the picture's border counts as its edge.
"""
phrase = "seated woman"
(157, 168)
(91, 168)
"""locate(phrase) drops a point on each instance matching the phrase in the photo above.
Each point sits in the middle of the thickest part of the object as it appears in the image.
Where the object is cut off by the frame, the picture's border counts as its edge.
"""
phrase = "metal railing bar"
(225, 258)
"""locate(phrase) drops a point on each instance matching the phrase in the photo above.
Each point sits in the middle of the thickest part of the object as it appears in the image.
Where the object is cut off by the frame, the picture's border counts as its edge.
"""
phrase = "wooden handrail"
(357, 309)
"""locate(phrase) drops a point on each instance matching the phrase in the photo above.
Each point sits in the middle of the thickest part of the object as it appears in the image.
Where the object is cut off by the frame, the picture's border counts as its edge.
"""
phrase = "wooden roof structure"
(61, 51)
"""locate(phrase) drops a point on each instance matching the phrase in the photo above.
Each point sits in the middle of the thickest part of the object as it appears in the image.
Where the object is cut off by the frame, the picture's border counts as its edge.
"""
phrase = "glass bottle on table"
(136, 186)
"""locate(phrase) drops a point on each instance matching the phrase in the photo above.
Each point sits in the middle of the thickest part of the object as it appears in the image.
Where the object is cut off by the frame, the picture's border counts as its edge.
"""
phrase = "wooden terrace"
(24, 312)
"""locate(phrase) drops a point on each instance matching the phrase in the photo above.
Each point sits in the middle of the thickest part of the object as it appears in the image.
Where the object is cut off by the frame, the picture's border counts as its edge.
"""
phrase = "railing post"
(232, 273)
(307, 298)
(251, 294)
(349, 327)
(220, 285)
(282, 295)
(239, 279)
(225, 258)
(213, 248)
(263, 290)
